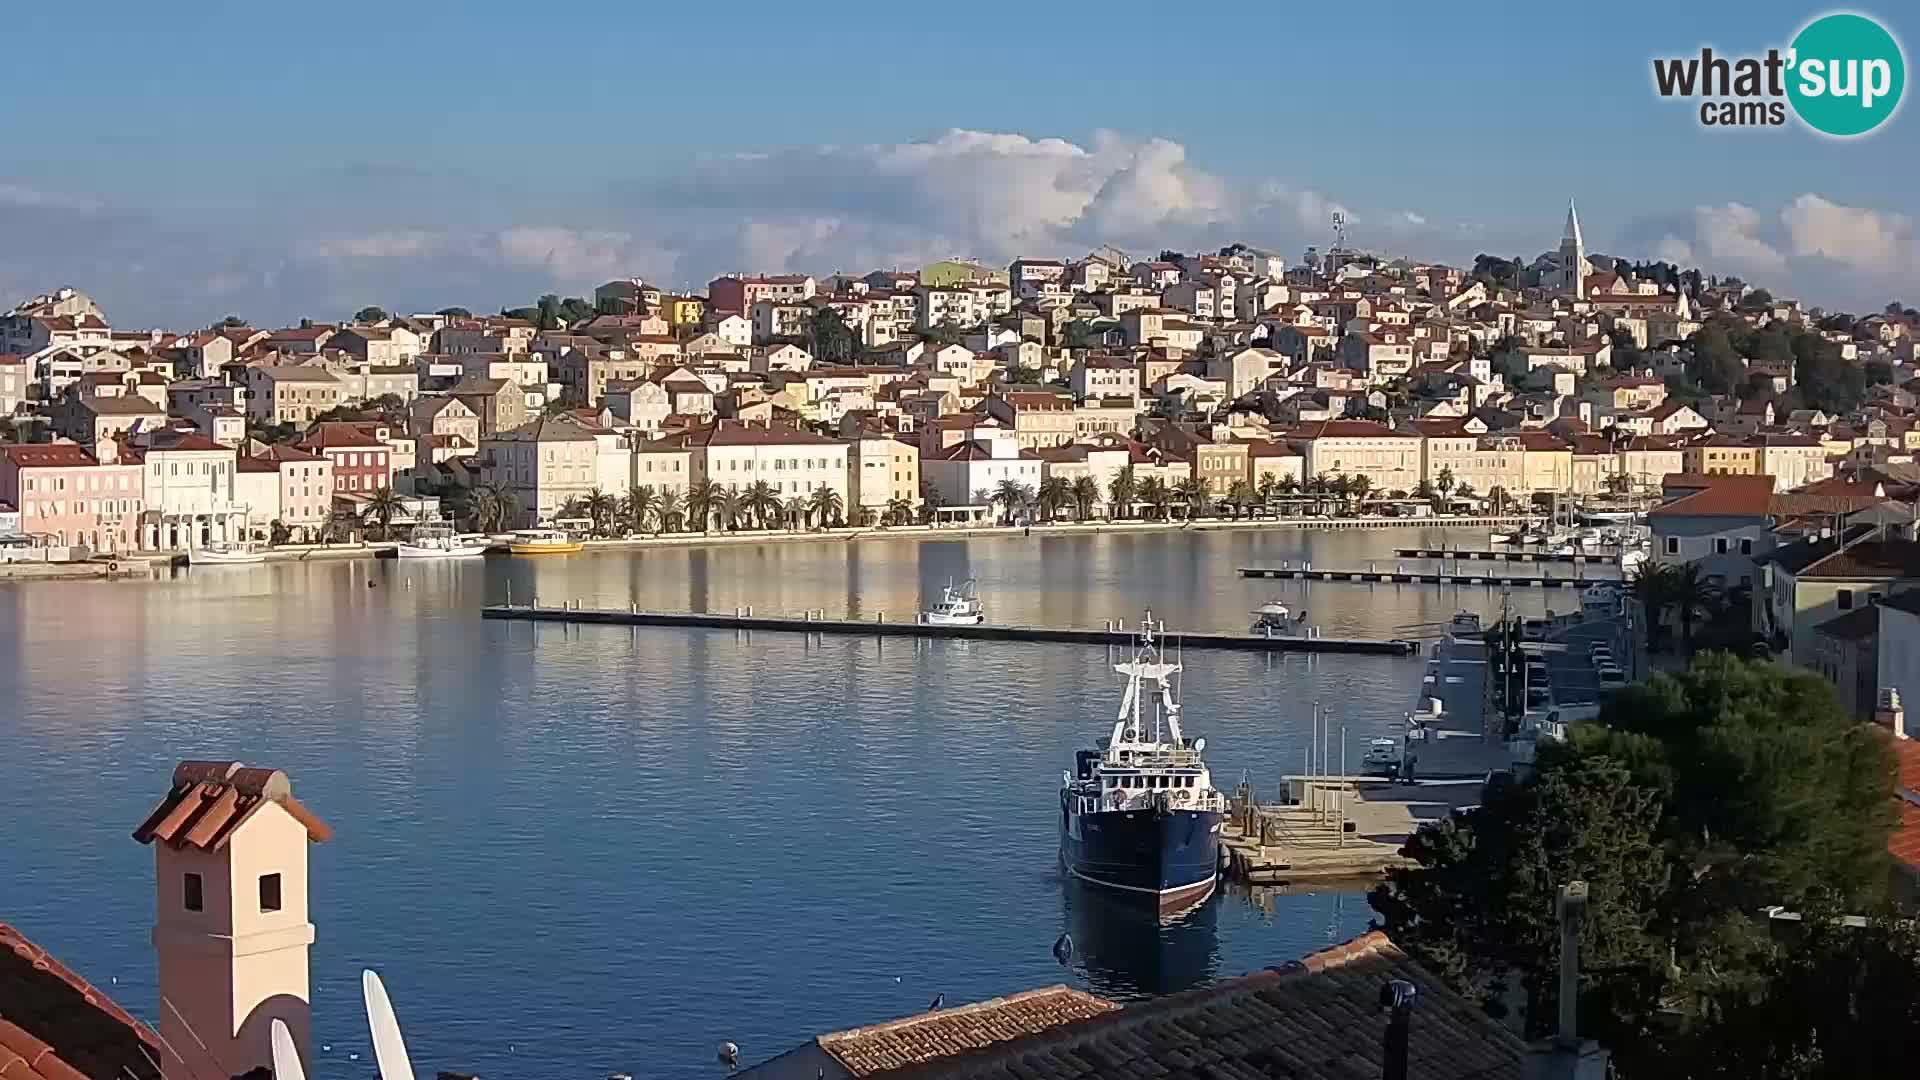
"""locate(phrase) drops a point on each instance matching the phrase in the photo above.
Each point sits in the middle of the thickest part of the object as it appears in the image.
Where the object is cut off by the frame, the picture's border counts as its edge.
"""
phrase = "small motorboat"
(1465, 624)
(1274, 616)
(544, 542)
(220, 553)
(958, 606)
(1383, 757)
(1503, 538)
(438, 541)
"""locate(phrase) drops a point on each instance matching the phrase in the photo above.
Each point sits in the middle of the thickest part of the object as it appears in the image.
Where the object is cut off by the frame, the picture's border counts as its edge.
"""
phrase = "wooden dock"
(1119, 634)
(1516, 555)
(1491, 579)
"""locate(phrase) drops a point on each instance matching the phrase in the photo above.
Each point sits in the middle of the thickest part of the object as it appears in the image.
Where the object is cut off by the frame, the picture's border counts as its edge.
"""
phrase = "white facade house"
(736, 454)
(961, 473)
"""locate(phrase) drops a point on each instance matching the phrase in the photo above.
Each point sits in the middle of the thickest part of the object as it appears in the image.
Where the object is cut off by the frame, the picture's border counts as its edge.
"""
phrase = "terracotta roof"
(735, 433)
(211, 799)
(1869, 560)
(945, 1033)
(1903, 843)
(1348, 429)
(55, 1026)
(1315, 1017)
(48, 456)
(1727, 495)
(329, 435)
(282, 452)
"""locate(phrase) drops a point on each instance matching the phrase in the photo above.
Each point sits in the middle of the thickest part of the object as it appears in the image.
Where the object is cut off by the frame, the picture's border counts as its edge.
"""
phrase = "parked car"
(1601, 656)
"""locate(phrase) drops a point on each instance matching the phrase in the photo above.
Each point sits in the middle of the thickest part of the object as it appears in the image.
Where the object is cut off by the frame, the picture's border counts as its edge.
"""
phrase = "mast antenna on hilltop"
(1339, 241)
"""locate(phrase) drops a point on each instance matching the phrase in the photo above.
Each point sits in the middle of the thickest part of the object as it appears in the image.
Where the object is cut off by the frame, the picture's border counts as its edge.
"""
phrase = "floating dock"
(1515, 555)
(1117, 634)
(1490, 579)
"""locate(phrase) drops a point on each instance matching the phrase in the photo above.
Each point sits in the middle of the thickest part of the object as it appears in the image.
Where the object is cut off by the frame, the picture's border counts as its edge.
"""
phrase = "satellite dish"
(1200, 744)
(389, 1051)
(286, 1059)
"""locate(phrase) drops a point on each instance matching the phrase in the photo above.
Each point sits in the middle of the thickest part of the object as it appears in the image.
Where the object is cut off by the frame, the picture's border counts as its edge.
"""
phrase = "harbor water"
(572, 851)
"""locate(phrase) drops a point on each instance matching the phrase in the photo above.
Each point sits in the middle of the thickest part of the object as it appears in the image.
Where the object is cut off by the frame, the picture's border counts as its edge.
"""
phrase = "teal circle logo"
(1847, 75)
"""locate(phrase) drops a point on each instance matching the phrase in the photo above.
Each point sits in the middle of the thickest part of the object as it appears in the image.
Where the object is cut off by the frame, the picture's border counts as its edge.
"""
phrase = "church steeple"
(1573, 256)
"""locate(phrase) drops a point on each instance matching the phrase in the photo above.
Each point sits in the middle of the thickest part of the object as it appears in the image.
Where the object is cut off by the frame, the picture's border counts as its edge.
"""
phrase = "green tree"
(278, 533)
(1013, 497)
(700, 499)
(899, 511)
(1267, 491)
(601, 507)
(763, 502)
(930, 500)
(1691, 596)
(1086, 495)
(637, 510)
(797, 512)
(1477, 906)
(1714, 364)
(1444, 482)
(669, 512)
(1652, 587)
(382, 507)
(1241, 496)
(829, 509)
(1360, 486)
(730, 507)
(1055, 495)
(830, 339)
(1193, 493)
(455, 313)
(1158, 497)
(370, 314)
(1122, 492)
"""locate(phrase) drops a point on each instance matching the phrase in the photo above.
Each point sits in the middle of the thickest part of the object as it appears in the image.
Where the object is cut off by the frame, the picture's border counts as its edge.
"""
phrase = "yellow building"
(682, 311)
(1720, 455)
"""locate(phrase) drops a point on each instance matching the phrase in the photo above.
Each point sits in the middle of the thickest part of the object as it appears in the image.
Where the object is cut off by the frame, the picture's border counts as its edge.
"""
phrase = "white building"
(735, 454)
(961, 473)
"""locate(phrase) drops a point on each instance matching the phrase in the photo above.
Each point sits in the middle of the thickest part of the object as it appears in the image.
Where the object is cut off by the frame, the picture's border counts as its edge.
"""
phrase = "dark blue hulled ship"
(1140, 815)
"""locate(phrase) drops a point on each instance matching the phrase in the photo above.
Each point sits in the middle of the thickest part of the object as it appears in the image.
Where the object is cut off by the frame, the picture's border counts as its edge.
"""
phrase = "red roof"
(49, 456)
(1904, 842)
(1720, 496)
(1348, 429)
(211, 799)
(337, 436)
(54, 1025)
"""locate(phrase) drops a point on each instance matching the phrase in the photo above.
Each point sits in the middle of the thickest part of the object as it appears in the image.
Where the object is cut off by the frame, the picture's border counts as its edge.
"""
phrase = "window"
(1845, 599)
(1673, 545)
(1719, 545)
(193, 899)
(269, 892)
(1746, 546)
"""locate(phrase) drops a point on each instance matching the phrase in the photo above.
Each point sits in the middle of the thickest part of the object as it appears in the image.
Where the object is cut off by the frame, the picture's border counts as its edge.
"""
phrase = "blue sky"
(184, 161)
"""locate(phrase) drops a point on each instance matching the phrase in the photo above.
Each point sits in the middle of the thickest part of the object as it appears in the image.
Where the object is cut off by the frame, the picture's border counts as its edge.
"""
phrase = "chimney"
(1397, 996)
(1888, 712)
(1565, 1056)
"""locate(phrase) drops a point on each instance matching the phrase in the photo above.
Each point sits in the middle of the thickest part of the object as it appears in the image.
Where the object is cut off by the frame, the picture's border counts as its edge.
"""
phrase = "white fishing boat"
(1631, 558)
(544, 542)
(439, 541)
(958, 606)
(221, 553)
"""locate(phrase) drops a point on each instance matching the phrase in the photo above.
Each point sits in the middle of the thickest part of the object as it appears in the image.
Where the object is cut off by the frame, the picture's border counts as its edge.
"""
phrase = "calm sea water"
(574, 851)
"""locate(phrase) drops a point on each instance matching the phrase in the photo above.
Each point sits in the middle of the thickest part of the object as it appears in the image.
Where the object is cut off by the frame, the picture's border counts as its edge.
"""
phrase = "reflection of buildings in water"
(1128, 951)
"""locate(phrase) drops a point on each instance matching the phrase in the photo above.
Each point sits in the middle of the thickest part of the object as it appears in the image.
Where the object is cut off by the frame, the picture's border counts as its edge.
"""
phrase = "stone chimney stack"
(230, 926)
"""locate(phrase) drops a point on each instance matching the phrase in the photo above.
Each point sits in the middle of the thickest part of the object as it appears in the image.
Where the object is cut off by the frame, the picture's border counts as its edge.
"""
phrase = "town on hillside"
(1098, 388)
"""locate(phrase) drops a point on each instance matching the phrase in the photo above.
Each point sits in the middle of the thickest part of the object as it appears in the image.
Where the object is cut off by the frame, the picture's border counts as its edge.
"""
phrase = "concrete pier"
(1520, 555)
(1118, 633)
(1399, 576)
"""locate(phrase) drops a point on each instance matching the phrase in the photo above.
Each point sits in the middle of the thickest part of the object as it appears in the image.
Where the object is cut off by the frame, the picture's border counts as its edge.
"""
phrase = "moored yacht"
(220, 553)
(1272, 616)
(957, 607)
(1140, 814)
(438, 541)
(543, 542)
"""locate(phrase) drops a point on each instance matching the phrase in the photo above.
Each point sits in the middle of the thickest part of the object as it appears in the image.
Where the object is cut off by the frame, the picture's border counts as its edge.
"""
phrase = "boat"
(1502, 538)
(957, 607)
(543, 542)
(1274, 615)
(439, 541)
(1630, 560)
(1139, 815)
(220, 553)
(1465, 624)
(1383, 757)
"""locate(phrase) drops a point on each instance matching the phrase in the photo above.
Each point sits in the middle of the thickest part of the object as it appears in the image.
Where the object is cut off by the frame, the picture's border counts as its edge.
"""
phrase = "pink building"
(306, 487)
(72, 498)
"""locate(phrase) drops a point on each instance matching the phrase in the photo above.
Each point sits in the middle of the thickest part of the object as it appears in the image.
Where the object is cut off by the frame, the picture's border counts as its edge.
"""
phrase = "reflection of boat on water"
(1128, 951)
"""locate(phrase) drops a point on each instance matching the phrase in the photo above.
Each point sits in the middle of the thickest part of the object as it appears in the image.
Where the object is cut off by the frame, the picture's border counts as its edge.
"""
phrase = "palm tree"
(1085, 493)
(1360, 486)
(1241, 496)
(1652, 587)
(601, 507)
(929, 500)
(669, 510)
(730, 506)
(1054, 496)
(638, 508)
(763, 502)
(491, 505)
(1423, 490)
(1445, 482)
(1691, 595)
(1013, 496)
(899, 511)
(1122, 491)
(1465, 490)
(1192, 492)
(573, 508)
(1268, 488)
(1158, 497)
(828, 507)
(340, 525)
(700, 499)
(1498, 496)
(382, 506)
(795, 511)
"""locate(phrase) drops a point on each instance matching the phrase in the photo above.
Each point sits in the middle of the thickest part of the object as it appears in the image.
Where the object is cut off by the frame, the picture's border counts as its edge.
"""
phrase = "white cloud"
(1411, 218)
(1860, 238)
(388, 244)
(1729, 234)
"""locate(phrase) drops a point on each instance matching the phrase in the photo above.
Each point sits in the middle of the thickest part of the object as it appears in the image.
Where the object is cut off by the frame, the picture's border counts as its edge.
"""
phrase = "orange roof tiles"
(916, 1040)
(54, 1025)
(1726, 495)
(210, 799)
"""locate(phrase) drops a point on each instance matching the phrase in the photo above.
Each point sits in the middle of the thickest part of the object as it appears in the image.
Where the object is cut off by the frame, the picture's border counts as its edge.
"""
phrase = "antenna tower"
(1339, 242)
